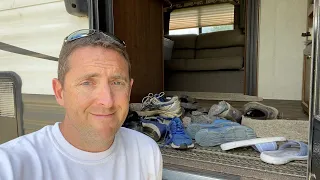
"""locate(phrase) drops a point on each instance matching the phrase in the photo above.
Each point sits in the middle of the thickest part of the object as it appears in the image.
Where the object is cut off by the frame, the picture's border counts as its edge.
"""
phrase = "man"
(94, 87)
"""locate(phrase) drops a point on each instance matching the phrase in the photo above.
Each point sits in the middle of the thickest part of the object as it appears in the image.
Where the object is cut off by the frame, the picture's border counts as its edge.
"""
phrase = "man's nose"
(105, 96)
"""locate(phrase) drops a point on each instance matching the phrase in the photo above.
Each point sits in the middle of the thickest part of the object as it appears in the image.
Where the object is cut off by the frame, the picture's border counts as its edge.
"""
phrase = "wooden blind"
(202, 16)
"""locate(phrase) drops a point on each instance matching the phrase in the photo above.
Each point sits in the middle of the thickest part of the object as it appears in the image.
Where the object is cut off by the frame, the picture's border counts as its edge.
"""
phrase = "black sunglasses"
(88, 32)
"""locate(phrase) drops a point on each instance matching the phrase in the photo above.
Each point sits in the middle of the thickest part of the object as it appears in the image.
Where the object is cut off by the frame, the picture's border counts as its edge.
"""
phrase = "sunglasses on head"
(88, 32)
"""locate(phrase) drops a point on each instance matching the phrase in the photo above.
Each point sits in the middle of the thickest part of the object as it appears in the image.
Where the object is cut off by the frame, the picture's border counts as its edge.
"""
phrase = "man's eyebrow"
(87, 76)
(119, 77)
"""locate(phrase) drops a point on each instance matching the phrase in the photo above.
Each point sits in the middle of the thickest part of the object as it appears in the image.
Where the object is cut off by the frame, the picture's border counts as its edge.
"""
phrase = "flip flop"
(260, 144)
(290, 151)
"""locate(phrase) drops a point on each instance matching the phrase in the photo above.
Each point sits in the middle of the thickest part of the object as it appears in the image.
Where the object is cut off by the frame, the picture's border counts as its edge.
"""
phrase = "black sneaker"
(133, 121)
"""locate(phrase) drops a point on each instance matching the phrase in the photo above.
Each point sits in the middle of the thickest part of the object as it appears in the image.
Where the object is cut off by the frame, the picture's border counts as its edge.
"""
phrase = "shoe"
(153, 127)
(186, 121)
(225, 110)
(193, 128)
(135, 106)
(260, 111)
(202, 118)
(133, 122)
(157, 104)
(188, 103)
(177, 137)
(218, 136)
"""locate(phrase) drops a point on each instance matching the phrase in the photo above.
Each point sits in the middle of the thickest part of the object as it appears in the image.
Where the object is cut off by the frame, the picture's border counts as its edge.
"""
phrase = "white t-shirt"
(46, 154)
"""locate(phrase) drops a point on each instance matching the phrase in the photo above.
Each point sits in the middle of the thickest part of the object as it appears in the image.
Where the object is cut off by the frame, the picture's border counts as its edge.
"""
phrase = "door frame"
(252, 8)
(100, 14)
(314, 108)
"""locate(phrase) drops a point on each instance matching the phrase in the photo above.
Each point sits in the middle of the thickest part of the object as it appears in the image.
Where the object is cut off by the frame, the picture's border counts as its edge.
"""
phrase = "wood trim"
(303, 78)
(305, 104)
(305, 107)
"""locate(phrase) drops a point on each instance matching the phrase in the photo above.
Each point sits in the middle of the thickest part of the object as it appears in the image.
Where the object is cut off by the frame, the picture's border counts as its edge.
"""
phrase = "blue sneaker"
(193, 128)
(153, 127)
(177, 137)
(217, 136)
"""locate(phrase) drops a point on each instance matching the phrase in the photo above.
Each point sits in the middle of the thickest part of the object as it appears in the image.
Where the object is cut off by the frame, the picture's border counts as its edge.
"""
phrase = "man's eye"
(117, 83)
(86, 83)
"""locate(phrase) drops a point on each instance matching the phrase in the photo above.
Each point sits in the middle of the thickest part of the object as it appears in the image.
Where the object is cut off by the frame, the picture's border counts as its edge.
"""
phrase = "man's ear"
(57, 88)
(131, 84)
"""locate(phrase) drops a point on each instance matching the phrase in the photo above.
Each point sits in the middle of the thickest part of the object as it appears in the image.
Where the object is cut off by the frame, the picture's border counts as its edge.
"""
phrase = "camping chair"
(11, 106)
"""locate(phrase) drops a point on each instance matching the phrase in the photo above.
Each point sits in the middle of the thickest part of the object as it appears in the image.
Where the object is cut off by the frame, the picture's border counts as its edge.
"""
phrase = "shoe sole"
(232, 133)
(166, 114)
(152, 131)
(192, 129)
(182, 146)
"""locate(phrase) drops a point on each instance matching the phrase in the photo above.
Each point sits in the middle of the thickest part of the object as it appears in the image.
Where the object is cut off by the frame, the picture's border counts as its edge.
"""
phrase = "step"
(242, 162)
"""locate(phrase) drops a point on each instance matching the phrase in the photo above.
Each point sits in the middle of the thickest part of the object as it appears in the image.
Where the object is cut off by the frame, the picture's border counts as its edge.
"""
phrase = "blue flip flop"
(289, 151)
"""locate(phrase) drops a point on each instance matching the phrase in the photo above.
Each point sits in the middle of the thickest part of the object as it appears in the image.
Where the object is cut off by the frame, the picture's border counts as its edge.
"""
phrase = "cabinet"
(140, 25)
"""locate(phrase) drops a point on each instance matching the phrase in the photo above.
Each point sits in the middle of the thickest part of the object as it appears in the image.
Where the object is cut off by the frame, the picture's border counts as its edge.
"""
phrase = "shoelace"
(150, 98)
(146, 100)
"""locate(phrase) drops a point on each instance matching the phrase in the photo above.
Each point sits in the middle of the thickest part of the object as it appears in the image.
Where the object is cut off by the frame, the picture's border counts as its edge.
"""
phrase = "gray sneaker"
(269, 112)
(225, 110)
(202, 118)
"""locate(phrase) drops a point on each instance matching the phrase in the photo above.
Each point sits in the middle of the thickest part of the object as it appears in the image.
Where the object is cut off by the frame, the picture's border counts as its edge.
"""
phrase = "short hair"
(95, 40)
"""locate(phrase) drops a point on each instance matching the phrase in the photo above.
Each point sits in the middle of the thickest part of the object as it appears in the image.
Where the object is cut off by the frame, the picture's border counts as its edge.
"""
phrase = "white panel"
(24, 3)
(39, 28)
(266, 48)
(281, 48)
(6, 4)
(42, 29)
(9, 4)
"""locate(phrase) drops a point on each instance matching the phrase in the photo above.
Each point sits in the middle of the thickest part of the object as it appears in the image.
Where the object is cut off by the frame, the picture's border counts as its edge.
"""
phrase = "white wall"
(281, 48)
(38, 27)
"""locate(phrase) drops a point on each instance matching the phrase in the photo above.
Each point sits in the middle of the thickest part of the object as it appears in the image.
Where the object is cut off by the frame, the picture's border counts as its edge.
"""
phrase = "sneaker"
(177, 137)
(193, 128)
(218, 136)
(202, 118)
(135, 106)
(157, 104)
(260, 111)
(153, 127)
(225, 110)
(186, 121)
(133, 121)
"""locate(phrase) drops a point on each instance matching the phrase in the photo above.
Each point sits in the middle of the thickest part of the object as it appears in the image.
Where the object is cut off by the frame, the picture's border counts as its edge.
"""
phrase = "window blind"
(202, 16)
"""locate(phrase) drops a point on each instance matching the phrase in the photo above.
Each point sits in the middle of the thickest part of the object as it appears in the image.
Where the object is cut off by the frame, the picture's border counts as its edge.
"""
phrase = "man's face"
(96, 91)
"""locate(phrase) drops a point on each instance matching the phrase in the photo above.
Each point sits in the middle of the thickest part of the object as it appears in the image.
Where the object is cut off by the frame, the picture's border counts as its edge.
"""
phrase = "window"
(203, 19)
(184, 31)
(209, 29)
